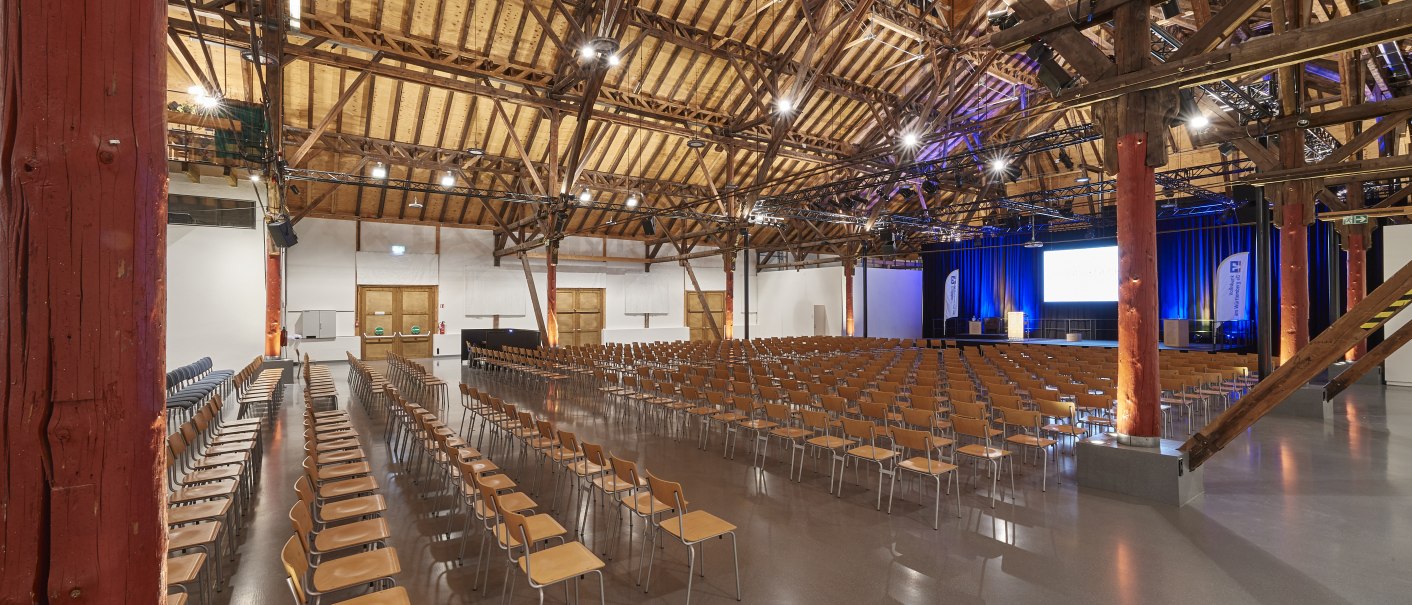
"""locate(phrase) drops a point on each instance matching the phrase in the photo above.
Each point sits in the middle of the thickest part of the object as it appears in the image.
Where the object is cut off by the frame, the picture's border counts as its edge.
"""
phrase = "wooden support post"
(1135, 119)
(1139, 385)
(534, 297)
(1356, 245)
(1294, 199)
(728, 330)
(83, 182)
(1371, 360)
(848, 297)
(272, 302)
(551, 296)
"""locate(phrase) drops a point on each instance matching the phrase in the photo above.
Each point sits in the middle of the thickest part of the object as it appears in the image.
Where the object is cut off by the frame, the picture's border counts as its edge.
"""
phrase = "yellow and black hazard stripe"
(1382, 316)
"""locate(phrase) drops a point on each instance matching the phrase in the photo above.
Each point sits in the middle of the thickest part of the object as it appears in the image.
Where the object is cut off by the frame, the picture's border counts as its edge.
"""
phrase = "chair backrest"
(303, 523)
(625, 470)
(296, 565)
(912, 439)
(1026, 419)
(777, 412)
(568, 441)
(971, 427)
(968, 409)
(814, 419)
(1055, 409)
(919, 417)
(593, 453)
(669, 493)
(515, 526)
(873, 411)
(861, 429)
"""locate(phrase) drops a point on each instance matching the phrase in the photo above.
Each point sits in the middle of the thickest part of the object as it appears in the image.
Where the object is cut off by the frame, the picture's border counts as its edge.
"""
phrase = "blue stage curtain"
(1188, 250)
(998, 276)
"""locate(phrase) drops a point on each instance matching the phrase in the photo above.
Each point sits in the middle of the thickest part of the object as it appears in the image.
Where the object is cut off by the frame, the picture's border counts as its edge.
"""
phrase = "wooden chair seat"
(830, 442)
(562, 455)
(513, 502)
(200, 511)
(215, 473)
(352, 534)
(360, 506)
(481, 467)
(185, 568)
(538, 527)
(327, 458)
(221, 460)
(612, 484)
(980, 451)
(791, 432)
(920, 464)
(584, 468)
(1030, 441)
(341, 471)
(729, 417)
(347, 487)
(355, 569)
(396, 595)
(696, 526)
(205, 491)
(644, 504)
(1065, 429)
(757, 424)
(235, 439)
(869, 452)
(187, 536)
(704, 410)
(229, 448)
(334, 445)
(559, 563)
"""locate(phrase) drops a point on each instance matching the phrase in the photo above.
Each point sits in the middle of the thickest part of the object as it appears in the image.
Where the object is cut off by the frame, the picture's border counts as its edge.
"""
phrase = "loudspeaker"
(1249, 200)
(282, 232)
(648, 227)
(1171, 9)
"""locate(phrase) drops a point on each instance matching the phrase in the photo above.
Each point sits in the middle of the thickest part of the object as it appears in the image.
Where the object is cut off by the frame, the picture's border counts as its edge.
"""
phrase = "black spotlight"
(1064, 159)
(889, 243)
(1227, 148)
(1171, 9)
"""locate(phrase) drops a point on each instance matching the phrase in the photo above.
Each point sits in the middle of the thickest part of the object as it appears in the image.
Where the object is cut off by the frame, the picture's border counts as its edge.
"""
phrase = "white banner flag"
(953, 295)
(1231, 276)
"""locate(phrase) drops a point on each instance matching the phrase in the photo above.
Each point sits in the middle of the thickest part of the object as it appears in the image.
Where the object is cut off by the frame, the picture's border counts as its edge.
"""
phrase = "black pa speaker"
(648, 227)
(282, 232)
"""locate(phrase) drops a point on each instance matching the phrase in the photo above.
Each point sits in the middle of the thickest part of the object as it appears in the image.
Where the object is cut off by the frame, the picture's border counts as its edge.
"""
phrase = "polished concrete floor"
(1297, 511)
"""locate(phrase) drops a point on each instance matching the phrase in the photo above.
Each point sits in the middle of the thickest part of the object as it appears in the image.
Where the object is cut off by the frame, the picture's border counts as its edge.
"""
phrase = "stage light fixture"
(695, 143)
(613, 60)
(448, 180)
(1227, 148)
(784, 105)
(587, 51)
(1198, 121)
(910, 139)
(254, 177)
(634, 199)
(1065, 160)
(998, 165)
(585, 196)
(379, 171)
(475, 152)
(1083, 179)
(196, 90)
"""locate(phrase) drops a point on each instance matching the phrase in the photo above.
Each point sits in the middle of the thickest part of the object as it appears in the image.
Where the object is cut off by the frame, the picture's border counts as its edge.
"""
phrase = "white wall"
(1397, 252)
(215, 285)
(894, 303)
(790, 296)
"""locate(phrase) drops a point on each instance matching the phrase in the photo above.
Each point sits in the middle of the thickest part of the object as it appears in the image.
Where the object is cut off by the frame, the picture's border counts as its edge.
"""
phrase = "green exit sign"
(1355, 219)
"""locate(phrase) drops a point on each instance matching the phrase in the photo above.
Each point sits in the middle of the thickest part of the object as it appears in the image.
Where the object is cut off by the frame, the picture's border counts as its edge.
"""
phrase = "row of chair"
(191, 385)
(213, 467)
(339, 544)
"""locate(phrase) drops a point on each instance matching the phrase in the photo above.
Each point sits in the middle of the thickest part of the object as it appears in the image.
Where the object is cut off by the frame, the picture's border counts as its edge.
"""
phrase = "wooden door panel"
(590, 301)
(590, 322)
(693, 302)
(716, 300)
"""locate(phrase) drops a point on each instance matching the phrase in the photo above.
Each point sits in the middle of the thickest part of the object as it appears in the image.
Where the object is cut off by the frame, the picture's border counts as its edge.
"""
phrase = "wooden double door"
(697, 321)
(579, 312)
(406, 316)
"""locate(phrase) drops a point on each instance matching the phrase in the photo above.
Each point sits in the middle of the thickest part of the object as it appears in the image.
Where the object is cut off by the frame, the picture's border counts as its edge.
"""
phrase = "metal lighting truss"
(1255, 101)
(320, 176)
(951, 165)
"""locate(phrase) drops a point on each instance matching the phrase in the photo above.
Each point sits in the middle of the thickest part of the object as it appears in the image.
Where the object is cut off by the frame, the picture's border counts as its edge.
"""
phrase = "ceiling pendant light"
(448, 179)
(585, 196)
(379, 171)
(634, 199)
(415, 203)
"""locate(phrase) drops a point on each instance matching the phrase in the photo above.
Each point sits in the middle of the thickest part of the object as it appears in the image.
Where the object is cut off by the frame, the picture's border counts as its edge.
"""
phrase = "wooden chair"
(692, 528)
(310, 585)
(866, 433)
(920, 442)
(981, 432)
(1027, 434)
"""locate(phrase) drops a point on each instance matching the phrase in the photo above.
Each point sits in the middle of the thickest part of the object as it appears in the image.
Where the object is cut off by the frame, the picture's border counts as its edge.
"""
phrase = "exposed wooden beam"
(297, 158)
(1224, 23)
(1365, 170)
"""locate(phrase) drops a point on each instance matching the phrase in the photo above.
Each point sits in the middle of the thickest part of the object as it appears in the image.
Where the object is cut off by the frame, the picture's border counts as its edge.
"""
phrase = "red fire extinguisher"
(441, 327)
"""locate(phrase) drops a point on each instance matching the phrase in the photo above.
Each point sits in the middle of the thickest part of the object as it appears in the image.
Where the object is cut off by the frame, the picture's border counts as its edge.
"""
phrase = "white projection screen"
(1081, 275)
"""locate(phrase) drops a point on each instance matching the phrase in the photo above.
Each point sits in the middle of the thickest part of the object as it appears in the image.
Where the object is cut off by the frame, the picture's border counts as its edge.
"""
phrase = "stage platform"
(982, 339)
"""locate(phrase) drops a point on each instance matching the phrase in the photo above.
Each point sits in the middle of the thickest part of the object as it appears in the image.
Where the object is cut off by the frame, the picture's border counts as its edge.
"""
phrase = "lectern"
(1015, 325)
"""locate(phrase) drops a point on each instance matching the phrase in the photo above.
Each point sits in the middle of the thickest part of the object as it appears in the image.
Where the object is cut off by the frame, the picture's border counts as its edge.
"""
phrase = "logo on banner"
(953, 295)
(1231, 286)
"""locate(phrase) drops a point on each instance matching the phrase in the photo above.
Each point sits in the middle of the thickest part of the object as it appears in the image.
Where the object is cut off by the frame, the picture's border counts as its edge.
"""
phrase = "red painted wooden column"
(848, 298)
(83, 182)
(551, 296)
(1139, 386)
(1294, 274)
(1356, 243)
(272, 304)
(728, 329)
